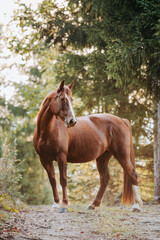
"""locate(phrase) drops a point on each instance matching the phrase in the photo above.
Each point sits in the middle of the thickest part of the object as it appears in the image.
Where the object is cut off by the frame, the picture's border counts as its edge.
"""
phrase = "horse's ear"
(70, 85)
(61, 86)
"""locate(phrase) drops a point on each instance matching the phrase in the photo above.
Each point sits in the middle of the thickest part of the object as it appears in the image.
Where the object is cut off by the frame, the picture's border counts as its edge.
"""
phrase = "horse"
(60, 136)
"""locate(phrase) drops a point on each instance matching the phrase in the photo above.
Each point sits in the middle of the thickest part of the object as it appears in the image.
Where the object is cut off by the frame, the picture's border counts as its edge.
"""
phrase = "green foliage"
(83, 181)
(10, 171)
(125, 36)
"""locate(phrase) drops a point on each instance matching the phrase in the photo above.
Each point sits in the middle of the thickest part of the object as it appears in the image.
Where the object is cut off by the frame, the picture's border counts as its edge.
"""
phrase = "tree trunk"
(157, 152)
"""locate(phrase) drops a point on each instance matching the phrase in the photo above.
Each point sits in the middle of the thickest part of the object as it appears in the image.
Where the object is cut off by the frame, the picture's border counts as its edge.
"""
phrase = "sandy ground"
(39, 223)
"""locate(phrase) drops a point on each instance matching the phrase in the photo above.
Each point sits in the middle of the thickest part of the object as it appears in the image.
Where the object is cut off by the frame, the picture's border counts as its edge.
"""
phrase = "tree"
(157, 152)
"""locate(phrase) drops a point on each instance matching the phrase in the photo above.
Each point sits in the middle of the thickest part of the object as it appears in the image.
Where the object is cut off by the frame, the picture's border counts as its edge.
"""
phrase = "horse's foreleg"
(102, 166)
(51, 175)
(62, 164)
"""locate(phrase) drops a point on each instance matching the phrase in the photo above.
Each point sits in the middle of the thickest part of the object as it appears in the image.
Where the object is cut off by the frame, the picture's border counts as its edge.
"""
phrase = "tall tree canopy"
(121, 38)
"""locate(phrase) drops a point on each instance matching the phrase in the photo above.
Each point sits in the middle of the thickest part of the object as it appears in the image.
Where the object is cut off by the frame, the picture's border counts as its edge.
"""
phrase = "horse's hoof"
(136, 210)
(136, 207)
(62, 210)
(91, 207)
(55, 205)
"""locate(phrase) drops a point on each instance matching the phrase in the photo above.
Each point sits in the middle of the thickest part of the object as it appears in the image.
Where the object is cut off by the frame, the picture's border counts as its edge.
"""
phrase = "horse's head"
(60, 104)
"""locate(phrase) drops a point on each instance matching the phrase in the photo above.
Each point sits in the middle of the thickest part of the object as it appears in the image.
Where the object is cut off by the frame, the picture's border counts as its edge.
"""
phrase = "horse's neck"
(44, 118)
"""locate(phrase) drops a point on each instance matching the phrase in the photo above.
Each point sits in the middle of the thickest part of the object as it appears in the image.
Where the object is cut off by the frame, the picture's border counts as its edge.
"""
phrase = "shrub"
(9, 170)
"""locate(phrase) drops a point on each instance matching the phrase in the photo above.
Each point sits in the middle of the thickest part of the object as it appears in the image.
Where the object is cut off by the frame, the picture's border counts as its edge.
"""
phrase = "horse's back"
(101, 121)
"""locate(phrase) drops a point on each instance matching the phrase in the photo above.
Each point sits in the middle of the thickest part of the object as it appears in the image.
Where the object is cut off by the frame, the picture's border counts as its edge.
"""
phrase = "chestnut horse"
(61, 137)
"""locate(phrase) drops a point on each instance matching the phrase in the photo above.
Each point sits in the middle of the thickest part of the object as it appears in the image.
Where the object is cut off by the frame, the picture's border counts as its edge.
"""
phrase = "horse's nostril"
(72, 122)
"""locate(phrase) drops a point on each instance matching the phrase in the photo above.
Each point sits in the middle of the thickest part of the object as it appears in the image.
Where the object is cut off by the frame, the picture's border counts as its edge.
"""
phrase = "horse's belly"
(86, 151)
(72, 159)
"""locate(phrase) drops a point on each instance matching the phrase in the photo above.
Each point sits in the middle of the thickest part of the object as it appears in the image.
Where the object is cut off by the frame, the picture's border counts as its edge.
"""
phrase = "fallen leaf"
(15, 210)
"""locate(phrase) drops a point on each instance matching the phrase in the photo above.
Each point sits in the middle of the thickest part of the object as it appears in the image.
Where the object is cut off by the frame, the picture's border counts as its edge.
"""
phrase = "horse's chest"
(51, 147)
(45, 146)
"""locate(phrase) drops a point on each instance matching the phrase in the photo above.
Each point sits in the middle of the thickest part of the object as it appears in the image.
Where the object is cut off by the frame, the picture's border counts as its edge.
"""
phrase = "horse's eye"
(63, 100)
(72, 99)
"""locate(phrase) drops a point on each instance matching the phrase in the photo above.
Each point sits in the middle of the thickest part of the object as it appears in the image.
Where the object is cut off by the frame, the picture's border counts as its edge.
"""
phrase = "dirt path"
(105, 223)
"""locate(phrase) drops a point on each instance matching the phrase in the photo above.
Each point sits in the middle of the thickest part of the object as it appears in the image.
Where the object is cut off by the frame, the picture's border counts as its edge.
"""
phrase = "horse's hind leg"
(102, 166)
(131, 178)
(131, 192)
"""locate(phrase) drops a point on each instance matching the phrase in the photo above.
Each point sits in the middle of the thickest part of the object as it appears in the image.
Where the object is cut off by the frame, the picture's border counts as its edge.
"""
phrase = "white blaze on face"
(70, 108)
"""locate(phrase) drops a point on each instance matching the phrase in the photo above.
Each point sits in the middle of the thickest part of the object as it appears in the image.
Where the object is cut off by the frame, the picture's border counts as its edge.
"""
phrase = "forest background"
(111, 52)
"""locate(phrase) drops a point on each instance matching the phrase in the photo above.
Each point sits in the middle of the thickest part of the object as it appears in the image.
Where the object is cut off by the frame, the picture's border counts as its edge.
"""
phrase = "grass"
(116, 222)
